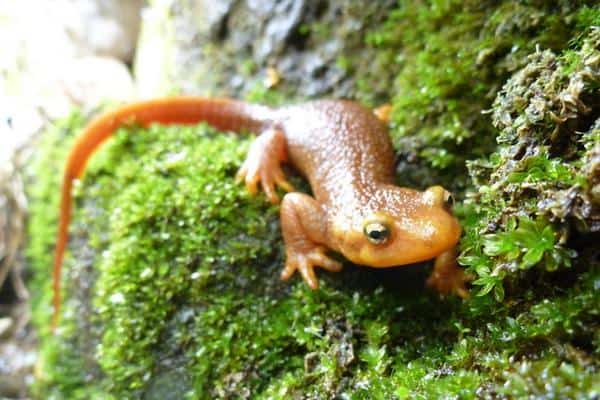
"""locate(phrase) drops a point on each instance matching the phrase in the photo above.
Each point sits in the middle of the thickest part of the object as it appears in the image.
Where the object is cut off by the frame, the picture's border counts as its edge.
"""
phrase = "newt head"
(398, 226)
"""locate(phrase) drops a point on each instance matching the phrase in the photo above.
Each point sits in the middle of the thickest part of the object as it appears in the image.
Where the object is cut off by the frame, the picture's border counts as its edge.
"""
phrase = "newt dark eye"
(376, 232)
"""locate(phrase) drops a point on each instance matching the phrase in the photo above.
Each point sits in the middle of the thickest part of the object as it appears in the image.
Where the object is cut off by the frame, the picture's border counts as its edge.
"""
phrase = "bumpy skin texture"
(344, 151)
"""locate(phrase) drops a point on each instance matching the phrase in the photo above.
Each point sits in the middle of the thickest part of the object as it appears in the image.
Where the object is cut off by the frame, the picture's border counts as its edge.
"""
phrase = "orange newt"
(346, 154)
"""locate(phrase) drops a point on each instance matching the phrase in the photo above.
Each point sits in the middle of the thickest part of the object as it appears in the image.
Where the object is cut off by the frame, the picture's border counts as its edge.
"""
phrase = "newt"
(345, 153)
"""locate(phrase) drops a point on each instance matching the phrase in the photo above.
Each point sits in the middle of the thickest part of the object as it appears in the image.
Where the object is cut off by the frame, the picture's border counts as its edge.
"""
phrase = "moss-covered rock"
(538, 190)
(172, 286)
(439, 63)
(448, 60)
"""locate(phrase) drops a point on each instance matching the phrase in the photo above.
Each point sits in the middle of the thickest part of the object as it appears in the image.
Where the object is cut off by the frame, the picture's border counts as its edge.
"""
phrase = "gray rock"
(105, 27)
(227, 47)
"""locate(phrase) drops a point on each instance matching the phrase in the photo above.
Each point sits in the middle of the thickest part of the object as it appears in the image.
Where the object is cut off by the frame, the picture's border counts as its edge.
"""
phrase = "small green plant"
(525, 243)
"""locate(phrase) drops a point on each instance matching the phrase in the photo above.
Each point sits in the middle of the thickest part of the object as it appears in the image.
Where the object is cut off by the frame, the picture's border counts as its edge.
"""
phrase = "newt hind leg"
(302, 224)
(263, 165)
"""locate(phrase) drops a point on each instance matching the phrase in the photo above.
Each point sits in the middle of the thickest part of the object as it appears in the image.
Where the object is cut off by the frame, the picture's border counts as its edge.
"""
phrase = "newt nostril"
(448, 200)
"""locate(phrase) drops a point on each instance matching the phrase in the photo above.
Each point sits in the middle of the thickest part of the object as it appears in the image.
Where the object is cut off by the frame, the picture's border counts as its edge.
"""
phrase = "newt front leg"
(301, 216)
(305, 238)
(263, 164)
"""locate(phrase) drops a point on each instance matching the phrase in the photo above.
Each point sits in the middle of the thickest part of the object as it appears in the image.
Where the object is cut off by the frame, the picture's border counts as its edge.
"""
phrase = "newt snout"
(408, 227)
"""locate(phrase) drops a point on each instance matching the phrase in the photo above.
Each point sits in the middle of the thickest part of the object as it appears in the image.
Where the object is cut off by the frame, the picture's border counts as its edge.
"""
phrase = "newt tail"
(223, 114)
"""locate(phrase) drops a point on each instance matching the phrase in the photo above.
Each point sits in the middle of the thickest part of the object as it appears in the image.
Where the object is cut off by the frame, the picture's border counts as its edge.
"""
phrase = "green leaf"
(548, 234)
(532, 257)
(498, 244)
(486, 289)
(499, 292)
(469, 260)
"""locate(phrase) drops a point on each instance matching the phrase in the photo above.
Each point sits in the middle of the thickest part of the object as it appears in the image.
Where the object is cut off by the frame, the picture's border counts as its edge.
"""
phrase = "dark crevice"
(222, 30)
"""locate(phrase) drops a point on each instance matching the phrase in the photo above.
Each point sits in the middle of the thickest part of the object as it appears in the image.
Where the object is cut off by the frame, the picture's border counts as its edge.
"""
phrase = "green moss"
(447, 60)
(43, 195)
(188, 300)
(61, 362)
(536, 191)
(261, 94)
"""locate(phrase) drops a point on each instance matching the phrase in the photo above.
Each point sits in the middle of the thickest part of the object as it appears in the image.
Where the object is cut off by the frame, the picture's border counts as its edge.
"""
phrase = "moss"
(536, 191)
(447, 60)
(261, 94)
(179, 306)
(44, 211)
(204, 315)
(62, 363)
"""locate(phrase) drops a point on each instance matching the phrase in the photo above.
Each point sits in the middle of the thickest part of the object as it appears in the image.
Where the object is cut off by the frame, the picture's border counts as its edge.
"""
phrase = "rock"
(104, 27)
(50, 31)
(16, 368)
(228, 47)
(6, 324)
(12, 202)
(18, 353)
(52, 67)
(88, 81)
(152, 70)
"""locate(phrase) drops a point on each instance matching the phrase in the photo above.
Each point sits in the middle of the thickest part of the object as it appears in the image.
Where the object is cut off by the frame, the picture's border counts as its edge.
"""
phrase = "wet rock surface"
(229, 49)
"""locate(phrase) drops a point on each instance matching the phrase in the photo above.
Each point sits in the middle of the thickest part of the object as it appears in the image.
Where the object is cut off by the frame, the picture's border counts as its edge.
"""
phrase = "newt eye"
(376, 232)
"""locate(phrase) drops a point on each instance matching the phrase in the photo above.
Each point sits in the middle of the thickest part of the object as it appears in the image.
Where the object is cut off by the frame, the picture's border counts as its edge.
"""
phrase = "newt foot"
(306, 261)
(383, 112)
(447, 277)
(263, 164)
